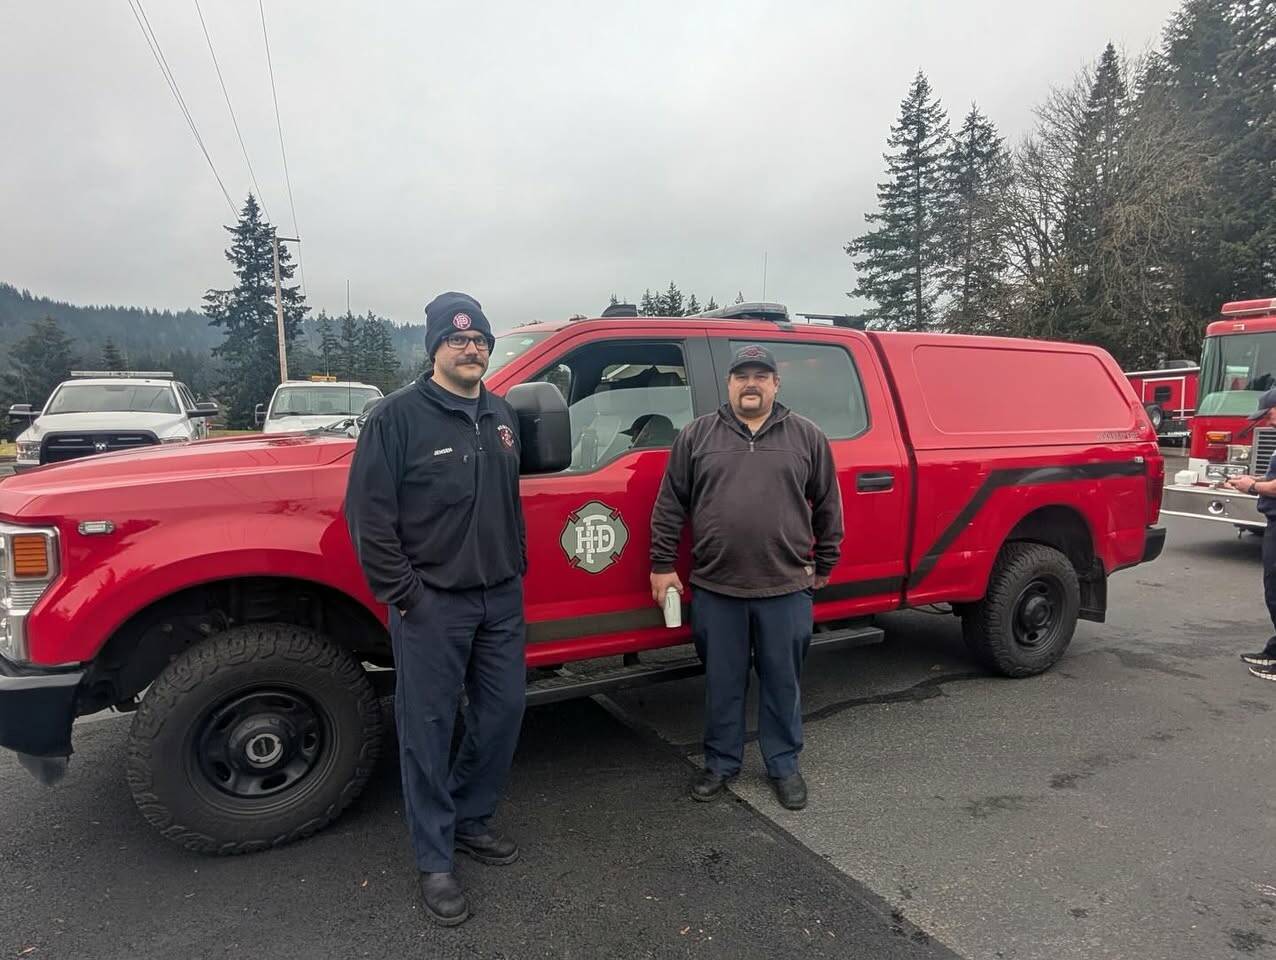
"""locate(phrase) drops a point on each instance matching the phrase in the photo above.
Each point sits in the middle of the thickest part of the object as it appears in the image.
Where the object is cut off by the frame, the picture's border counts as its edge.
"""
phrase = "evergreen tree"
(379, 365)
(670, 302)
(329, 345)
(712, 304)
(245, 313)
(349, 348)
(897, 259)
(649, 305)
(739, 297)
(693, 306)
(973, 229)
(112, 359)
(38, 363)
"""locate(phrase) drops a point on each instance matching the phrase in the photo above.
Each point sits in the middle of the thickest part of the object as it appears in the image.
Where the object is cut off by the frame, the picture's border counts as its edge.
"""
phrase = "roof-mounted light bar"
(775, 312)
(1249, 308)
(129, 374)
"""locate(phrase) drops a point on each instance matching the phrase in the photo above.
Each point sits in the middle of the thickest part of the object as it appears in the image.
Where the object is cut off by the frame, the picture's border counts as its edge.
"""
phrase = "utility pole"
(279, 305)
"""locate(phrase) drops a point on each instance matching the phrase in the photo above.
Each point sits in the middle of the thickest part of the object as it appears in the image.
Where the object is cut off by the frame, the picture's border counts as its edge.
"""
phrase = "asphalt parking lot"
(1118, 806)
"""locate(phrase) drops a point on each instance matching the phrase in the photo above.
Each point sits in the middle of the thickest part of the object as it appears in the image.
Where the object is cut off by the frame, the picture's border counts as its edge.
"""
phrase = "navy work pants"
(452, 639)
(773, 634)
(1269, 578)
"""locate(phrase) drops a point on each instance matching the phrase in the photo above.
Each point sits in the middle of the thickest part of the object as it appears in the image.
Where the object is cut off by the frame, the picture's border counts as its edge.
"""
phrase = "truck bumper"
(37, 708)
(1209, 503)
(1153, 544)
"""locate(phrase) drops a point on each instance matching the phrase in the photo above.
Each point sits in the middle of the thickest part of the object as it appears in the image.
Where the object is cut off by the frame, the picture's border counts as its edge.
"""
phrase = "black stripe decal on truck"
(1025, 477)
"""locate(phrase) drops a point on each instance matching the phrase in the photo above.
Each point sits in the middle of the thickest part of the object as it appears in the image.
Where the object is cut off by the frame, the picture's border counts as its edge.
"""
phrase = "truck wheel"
(1026, 620)
(258, 737)
(1155, 414)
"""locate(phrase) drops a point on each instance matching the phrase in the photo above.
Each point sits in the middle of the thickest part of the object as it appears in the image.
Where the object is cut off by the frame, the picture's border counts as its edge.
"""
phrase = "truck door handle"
(874, 482)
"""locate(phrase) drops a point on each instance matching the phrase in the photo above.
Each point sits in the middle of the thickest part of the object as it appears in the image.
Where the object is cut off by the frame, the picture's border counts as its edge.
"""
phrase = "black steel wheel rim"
(1038, 613)
(261, 743)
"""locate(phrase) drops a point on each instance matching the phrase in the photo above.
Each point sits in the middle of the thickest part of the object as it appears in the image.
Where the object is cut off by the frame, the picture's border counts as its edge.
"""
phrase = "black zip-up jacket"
(433, 496)
(765, 508)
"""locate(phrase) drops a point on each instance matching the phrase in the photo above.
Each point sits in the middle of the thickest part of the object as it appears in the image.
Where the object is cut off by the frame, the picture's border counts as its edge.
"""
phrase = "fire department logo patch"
(507, 435)
(752, 353)
(462, 321)
(594, 537)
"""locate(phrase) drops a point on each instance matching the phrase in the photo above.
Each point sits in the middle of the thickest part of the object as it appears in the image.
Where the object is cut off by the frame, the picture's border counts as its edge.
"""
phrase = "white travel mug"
(673, 608)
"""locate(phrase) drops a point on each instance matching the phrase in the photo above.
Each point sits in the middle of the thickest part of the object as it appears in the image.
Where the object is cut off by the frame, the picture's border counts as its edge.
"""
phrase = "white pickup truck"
(103, 411)
(309, 404)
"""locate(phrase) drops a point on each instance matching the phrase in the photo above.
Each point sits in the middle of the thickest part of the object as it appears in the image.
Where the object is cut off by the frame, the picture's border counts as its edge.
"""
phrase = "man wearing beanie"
(435, 517)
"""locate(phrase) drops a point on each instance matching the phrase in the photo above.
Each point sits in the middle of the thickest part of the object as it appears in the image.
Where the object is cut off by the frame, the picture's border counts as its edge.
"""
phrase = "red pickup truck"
(213, 589)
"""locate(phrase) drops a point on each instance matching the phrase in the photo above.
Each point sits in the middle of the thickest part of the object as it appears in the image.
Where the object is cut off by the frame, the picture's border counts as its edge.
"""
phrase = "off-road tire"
(164, 777)
(990, 627)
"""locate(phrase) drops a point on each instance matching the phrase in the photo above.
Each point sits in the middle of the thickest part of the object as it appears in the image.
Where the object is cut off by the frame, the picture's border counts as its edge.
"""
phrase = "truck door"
(588, 528)
(833, 379)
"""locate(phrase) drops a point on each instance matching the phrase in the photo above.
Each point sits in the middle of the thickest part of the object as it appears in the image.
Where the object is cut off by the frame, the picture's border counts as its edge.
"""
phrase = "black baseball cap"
(1265, 403)
(752, 354)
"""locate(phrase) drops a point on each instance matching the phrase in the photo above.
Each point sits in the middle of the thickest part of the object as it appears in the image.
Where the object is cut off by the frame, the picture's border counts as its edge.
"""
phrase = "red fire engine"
(1238, 364)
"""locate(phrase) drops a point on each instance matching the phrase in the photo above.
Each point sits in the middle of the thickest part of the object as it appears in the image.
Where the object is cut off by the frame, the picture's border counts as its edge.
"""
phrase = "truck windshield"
(302, 401)
(511, 347)
(1235, 369)
(112, 398)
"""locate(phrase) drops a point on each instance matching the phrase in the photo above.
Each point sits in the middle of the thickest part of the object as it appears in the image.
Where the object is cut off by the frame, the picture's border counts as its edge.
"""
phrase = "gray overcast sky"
(537, 155)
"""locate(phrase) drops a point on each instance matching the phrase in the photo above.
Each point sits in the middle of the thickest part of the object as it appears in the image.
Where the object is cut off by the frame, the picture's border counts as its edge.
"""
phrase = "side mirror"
(22, 411)
(544, 427)
(259, 414)
(205, 409)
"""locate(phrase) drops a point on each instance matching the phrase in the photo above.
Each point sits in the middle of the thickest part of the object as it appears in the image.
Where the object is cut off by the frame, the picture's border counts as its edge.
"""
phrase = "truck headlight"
(29, 450)
(1215, 472)
(1238, 453)
(28, 564)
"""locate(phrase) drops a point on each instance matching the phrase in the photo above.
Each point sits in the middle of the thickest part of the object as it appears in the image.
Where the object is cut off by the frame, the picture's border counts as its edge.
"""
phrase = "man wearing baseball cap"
(1263, 663)
(435, 516)
(759, 486)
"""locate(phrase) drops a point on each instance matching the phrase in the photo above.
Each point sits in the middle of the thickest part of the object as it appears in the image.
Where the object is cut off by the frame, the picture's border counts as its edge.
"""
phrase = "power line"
(233, 119)
(282, 153)
(152, 41)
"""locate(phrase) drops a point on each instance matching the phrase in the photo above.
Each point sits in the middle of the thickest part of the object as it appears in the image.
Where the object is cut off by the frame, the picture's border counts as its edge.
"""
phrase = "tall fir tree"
(711, 305)
(693, 306)
(379, 364)
(245, 313)
(897, 259)
(112, 358)
(649, 305)
(349, 348)
(671, 303)
(38, 363)
(973, 228)
(329, 345)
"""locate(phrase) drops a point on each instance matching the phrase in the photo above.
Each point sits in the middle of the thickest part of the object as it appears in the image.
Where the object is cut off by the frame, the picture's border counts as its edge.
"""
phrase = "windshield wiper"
(338, 426)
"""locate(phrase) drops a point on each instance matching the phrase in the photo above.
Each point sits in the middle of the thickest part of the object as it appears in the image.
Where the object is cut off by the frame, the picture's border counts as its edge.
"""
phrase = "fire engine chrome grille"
(59, 447)
(1264, 447)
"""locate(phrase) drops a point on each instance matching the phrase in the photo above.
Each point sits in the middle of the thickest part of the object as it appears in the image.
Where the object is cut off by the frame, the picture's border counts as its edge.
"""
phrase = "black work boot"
(444, 899)
(707, 785)
(790, 791)
(490, 848)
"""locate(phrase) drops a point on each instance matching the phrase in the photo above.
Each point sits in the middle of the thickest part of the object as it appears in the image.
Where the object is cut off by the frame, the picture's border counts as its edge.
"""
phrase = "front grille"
(1264, 447)
(59, 447)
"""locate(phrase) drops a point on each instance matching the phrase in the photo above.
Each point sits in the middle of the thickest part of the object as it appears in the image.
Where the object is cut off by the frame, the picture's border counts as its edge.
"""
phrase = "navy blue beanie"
(450, 313)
